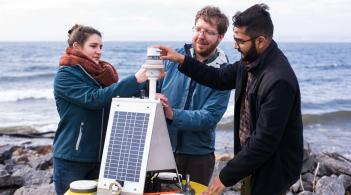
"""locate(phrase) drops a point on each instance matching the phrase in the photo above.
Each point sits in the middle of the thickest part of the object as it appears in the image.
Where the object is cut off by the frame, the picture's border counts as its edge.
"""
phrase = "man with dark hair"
(193, 110)
(268, 131)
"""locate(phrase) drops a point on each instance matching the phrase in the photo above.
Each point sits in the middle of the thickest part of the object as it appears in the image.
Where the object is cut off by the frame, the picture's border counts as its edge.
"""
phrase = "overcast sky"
(166, 20)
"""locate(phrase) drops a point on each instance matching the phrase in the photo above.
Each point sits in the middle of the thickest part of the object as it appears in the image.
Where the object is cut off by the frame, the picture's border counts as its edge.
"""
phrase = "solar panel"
(136, 141)
(126, 146)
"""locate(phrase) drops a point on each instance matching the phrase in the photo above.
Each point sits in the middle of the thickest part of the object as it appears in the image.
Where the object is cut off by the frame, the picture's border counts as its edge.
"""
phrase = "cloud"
(41, 20)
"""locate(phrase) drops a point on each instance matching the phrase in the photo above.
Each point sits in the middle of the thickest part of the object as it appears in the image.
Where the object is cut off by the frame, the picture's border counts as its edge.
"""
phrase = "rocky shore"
(26, 168)
(322, 174)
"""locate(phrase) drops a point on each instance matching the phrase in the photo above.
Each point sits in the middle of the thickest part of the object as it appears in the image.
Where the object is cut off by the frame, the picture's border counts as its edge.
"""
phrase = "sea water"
(323, 71)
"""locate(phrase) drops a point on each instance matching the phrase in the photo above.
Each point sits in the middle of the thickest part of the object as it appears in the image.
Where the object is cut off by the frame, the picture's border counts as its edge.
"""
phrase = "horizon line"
(144, 41)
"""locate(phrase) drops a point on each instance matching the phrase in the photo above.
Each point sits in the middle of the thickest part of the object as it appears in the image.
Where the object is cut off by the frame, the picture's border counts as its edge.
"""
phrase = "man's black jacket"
(274, 152)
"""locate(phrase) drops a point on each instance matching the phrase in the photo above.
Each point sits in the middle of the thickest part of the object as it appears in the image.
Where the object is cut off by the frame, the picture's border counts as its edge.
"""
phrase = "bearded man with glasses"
(193, 110)
(268, 131)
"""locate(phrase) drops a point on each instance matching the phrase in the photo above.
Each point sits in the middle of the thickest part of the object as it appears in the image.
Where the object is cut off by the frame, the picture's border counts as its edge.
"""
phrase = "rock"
(32, 176)
(296, 187)
(324, 170)
(345, 180)
(307, 184)
(309, 164)
(235, 188)
(307, 181)
(22, 159)
(329, 186)
(42, 149)
(11, 168)
(308, 177)
(18, 151)
(4, 175)
(8, 191)
(47, 189)
(24, 155)
(42, 162)
(9, 162)
(6, 152)
(7, 180)
(231, 192)
(305, 193)
(333, 163)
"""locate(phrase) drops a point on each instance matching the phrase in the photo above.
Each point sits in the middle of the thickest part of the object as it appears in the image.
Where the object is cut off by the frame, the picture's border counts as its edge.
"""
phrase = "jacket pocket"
(80, 135)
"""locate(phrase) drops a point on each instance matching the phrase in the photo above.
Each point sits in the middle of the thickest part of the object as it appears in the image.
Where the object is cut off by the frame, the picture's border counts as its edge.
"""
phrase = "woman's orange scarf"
(104, 73)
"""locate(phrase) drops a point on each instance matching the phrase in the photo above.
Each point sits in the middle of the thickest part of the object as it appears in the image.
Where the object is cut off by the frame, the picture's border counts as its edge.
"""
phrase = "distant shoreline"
(175, 41)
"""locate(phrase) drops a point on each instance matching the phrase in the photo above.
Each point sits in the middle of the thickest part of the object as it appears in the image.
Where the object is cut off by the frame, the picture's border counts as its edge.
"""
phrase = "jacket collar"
(259, 63)
(216, 60)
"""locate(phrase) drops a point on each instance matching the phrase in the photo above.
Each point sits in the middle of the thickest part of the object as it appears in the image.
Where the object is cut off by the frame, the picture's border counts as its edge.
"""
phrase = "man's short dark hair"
(256, 19)
(212, 14)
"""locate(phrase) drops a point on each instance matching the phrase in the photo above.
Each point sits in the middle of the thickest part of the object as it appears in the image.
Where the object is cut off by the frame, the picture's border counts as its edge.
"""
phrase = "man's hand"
(169, 54)
(215, 188)
(167, 109)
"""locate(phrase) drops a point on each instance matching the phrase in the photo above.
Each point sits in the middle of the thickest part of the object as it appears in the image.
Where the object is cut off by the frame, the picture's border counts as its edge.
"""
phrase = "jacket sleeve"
(217, 78)
(71, 88)
(270, 126)
(204, 119)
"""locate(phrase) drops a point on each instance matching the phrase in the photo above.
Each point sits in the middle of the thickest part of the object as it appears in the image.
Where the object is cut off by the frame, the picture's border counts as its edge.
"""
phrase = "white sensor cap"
(153, 51)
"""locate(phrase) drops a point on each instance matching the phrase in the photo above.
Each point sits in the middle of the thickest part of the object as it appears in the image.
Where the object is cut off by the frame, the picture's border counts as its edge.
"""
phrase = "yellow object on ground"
(199, 188)
(74, 193)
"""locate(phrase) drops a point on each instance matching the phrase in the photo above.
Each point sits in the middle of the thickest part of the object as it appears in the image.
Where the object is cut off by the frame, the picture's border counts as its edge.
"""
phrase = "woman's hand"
(141, 75)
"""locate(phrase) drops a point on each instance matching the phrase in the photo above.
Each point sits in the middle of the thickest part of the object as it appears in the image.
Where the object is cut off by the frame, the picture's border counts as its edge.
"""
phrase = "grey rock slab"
(6, 152)
(333, 163)
(32, 176)
(47, 189)
(329, 186)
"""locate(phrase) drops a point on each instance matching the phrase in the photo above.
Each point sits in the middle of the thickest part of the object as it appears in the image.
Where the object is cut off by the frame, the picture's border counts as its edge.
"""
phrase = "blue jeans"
(66, 171)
